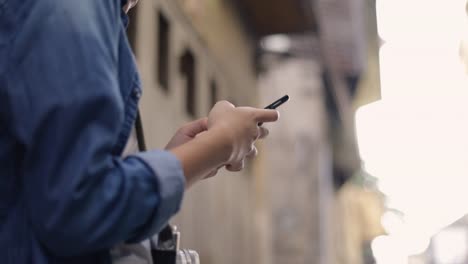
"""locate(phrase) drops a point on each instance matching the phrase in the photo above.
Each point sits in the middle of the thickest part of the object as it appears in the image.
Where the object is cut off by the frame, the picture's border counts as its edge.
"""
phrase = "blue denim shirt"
(69, 90)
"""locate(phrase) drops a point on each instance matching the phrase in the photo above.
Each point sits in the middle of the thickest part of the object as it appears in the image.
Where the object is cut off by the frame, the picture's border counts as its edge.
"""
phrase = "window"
(187, 69)
(163, 51)
(213, 93)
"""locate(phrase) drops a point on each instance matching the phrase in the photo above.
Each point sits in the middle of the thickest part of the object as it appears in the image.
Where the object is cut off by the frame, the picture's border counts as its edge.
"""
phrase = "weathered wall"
(227, 38)
(369, 87)
(298, 162)
(220, 217)
(279, 210)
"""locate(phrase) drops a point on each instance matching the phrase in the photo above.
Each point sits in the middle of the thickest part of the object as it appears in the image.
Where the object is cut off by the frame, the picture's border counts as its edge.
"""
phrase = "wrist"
(223, 139)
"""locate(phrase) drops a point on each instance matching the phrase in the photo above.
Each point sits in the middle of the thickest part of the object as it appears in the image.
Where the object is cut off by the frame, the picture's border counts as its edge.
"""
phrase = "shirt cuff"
(170, 177)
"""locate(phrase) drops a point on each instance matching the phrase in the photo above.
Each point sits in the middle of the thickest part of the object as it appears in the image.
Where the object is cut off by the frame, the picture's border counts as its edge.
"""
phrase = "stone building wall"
(298, 162)
(220, 217)
(279, 209)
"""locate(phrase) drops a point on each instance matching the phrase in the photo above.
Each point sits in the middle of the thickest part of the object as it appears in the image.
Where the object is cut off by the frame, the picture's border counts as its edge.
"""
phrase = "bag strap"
(139, 133)
(167, 231)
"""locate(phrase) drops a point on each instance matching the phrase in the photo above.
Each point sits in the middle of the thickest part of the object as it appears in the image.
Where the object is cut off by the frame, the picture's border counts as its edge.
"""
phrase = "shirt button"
(136, 93)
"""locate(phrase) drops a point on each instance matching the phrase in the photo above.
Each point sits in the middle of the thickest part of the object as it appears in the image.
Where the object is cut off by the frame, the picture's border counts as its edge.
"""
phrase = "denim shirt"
(69, 90)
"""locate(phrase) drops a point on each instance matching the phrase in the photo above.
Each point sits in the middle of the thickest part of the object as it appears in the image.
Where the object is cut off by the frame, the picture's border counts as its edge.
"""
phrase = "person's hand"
(188, 132)
(129, 5)
(229, 139)
(240, 127)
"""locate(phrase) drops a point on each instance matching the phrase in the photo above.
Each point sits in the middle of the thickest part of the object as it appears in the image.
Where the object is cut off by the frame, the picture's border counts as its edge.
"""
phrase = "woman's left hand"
(188, 132)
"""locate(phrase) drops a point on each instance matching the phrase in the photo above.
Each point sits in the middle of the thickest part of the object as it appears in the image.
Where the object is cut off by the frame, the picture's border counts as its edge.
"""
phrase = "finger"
(212, 174)
(266, 115)
(196, 127)
(264, 132)
(238, 166)
(130, 4)
(253, 152)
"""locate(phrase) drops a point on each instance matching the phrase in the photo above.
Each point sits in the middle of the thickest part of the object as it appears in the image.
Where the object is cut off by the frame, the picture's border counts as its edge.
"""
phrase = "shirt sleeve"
(171, 189)
(66, 113)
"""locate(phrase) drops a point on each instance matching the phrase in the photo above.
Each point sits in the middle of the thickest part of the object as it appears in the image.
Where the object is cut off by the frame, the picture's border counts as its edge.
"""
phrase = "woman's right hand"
(239, 128)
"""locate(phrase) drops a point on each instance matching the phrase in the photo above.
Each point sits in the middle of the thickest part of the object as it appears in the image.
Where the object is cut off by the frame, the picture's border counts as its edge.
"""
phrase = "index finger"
(266, 115)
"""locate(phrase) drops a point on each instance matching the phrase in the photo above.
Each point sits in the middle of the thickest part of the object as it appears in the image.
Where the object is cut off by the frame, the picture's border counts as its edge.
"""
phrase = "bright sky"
(415, 140)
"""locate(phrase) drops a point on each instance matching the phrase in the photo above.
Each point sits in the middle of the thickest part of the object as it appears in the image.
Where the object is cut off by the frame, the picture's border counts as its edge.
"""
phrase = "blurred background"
(369, 162)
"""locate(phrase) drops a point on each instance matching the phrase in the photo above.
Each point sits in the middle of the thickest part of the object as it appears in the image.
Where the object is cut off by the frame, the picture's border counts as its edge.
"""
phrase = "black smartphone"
(276, 104)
